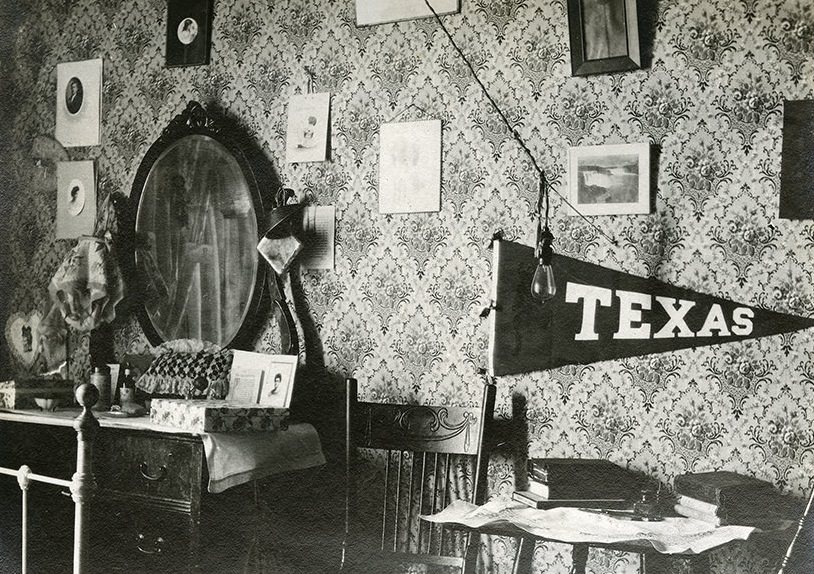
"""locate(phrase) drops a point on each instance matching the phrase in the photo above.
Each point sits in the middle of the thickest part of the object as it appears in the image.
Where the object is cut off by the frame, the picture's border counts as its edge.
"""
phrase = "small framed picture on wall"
(76, 199)
(79, 103)
(604, 36)
(188, 32)
(610, 179)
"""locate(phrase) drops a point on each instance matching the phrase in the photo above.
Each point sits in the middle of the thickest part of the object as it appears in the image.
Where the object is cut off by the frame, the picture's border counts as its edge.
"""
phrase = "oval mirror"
(197, 225)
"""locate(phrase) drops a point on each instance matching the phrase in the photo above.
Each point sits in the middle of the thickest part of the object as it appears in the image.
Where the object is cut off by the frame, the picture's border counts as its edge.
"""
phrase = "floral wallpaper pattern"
(401, 310)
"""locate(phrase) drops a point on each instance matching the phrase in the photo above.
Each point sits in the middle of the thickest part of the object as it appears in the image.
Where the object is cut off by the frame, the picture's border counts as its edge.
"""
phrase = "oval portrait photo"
(73, 95)
(76, 197)
(187, 30)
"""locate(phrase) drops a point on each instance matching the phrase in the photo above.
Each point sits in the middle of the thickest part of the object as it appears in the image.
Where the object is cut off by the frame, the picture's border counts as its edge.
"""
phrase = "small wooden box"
(200, 415)
(20, 394)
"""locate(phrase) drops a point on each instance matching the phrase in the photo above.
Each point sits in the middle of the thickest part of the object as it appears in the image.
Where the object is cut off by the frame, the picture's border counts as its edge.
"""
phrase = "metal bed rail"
(82, 485)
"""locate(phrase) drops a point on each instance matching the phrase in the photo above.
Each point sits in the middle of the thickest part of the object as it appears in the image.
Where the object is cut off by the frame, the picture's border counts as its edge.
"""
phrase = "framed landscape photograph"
(610, 179)
(604, 36)
(188, 32)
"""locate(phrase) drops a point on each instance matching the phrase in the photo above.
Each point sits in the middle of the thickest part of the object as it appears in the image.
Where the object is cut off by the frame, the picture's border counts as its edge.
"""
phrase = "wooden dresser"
(151, 513)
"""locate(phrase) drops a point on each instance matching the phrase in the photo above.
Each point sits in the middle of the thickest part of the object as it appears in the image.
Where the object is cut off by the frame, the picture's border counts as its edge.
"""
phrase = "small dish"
(46, 404)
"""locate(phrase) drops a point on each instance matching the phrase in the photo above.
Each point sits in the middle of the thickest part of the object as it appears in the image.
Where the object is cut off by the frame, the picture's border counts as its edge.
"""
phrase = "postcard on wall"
(307, 133)
(261, 379)
(318, 225)
(797, 163)
(76, 199)
(79, 103)
(370, 12)
(410, 167)
(188, 32)
(609, 179)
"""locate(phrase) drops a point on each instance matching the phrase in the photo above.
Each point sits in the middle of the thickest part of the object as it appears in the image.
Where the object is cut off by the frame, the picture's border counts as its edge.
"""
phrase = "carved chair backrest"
(431, 455)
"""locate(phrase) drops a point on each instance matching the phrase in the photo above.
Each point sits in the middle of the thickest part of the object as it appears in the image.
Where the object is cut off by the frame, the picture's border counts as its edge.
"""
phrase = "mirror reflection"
(198, 232)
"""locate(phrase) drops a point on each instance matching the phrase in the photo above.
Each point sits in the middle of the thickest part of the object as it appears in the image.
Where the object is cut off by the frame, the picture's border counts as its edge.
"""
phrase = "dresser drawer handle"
(158, 545)
(145, 472)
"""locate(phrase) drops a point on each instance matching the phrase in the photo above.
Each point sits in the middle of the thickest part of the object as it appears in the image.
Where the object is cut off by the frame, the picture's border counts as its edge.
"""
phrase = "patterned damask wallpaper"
(400, 312)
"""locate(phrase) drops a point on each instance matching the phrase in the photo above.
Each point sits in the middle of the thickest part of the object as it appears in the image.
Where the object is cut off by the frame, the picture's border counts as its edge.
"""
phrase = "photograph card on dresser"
(261, 379)
(79, 103)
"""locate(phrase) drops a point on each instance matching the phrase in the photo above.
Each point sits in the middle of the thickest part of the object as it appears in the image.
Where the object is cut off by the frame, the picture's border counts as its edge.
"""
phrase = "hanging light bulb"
(543, 285)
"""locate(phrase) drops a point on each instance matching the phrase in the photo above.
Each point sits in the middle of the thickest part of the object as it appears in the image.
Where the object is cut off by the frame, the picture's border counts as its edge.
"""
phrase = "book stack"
(582, 482)
(723, 497)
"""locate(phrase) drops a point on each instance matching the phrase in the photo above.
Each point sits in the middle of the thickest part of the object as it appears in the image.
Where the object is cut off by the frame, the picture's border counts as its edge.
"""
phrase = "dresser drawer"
(158, 470)
(138, 540)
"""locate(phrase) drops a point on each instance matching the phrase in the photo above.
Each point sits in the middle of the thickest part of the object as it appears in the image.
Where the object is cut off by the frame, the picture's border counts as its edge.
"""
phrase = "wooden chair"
(421, 448)
(799, 557)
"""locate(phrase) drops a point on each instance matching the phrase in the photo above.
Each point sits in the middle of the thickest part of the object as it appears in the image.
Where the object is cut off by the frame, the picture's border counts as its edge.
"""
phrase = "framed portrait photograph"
(604, 36)
(188, 32)
(76, 199)
(79, 103)
(610, 179)
(278, 383)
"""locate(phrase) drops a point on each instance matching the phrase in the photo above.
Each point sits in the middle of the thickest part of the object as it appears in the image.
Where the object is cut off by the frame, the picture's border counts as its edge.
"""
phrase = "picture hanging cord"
(543, 181)
(405, 110)
(309, 89)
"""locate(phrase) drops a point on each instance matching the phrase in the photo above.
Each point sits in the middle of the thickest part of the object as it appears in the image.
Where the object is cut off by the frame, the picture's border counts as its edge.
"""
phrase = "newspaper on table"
(673, 535)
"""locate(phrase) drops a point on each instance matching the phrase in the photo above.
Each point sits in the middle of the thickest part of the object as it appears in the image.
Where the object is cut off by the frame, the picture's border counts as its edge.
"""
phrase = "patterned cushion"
(174, 373)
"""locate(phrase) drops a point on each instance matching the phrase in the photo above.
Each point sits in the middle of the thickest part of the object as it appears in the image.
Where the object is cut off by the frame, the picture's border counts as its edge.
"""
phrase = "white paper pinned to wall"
(410, 167)
(319, 223)
(381, 11)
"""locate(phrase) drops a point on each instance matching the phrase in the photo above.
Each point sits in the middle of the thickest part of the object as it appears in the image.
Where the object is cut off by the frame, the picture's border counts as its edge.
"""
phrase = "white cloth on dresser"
(235, 458)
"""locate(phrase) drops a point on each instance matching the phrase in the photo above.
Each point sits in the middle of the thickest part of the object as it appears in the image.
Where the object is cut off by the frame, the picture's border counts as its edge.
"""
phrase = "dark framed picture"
(188, 32)
(797, 160)
(604, 36)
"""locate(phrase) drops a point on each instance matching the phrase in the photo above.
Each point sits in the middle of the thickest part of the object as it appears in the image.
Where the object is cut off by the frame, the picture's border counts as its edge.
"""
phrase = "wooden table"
(652, 561)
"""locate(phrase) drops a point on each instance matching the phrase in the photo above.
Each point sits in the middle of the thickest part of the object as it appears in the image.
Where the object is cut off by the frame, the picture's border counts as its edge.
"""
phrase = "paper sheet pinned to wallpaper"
(318, 222)
(410, 167)
(370, 12)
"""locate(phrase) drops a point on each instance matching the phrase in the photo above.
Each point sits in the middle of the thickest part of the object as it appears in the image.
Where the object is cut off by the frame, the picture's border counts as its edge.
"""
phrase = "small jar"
(100, 378)
(647, 506)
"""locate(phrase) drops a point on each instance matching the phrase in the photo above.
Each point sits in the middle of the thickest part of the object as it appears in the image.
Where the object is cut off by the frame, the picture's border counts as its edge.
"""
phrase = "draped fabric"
(88, 285)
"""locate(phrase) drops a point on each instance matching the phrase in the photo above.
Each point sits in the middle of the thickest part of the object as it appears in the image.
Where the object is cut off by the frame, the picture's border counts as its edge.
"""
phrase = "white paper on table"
(319, 223)
(307, 133)
(672, 535)
(410, 167)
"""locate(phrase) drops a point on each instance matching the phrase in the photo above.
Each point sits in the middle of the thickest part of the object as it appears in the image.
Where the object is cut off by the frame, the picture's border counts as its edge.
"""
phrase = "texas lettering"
(646, 316)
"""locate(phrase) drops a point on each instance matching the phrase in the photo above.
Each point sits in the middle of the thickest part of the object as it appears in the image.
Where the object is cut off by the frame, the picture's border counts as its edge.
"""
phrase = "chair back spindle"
(431, 455)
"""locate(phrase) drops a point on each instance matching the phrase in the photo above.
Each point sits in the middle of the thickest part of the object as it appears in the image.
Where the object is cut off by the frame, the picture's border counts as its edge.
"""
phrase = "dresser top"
(65, 417)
